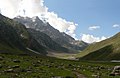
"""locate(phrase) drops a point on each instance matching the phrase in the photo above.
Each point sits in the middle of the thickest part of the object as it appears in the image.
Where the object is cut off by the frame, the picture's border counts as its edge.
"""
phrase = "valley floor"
(18, 66)
(69, 56)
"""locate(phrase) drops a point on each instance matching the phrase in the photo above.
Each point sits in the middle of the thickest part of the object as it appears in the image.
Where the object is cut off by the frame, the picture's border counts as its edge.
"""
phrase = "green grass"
(7, 49)
(38, 66)
(105, 50)
(47, 67)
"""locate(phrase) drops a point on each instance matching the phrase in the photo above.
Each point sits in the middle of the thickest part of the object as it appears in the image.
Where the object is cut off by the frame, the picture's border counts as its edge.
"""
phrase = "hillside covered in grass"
(18, 66)
(10, 40)
(108, 49)
(15, 39)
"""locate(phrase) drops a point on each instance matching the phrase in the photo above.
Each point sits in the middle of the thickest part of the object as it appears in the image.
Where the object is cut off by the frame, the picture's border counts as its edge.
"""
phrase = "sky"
(87, 20)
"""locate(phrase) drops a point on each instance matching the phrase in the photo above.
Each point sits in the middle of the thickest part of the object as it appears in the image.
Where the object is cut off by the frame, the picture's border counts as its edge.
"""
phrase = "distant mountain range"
(60, 38)
(108, 49)
(34, 37)
(24, 35)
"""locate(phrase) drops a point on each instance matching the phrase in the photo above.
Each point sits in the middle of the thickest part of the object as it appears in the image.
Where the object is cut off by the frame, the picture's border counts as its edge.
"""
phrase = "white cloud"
(30, 8)
(9, 7)
(116, 25)
(90, 38)
(93, 27)
(12, 8)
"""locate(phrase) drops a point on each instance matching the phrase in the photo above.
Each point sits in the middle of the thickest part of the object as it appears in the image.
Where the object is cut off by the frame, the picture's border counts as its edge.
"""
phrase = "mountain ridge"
(15, 37)
(46, 41)
(105, 50)
(59, 37)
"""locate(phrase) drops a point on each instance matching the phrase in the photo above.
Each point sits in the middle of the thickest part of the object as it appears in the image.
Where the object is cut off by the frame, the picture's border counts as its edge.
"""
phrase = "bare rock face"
(59, 37)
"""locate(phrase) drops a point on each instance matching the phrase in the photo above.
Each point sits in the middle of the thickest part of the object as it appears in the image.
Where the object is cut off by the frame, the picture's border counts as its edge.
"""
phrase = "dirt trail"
(79, 75)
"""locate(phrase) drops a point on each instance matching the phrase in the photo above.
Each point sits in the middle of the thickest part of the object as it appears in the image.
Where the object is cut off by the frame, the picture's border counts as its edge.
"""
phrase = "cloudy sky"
(89, 20)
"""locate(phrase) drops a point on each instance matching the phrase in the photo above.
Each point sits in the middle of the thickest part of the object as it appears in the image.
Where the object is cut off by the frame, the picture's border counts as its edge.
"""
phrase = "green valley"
(30, 48)
(19, 66)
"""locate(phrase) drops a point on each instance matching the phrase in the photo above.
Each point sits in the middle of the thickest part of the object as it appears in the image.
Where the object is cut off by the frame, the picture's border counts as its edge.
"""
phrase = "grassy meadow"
(23, 66)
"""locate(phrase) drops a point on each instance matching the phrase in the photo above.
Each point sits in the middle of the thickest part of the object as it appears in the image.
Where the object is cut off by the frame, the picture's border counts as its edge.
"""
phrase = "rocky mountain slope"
(46, 41)
(108, 49)
(14, 38)
(61, 38)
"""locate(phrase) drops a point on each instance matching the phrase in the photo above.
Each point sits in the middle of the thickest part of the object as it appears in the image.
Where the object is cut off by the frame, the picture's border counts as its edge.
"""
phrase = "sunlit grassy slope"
(108, 49)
